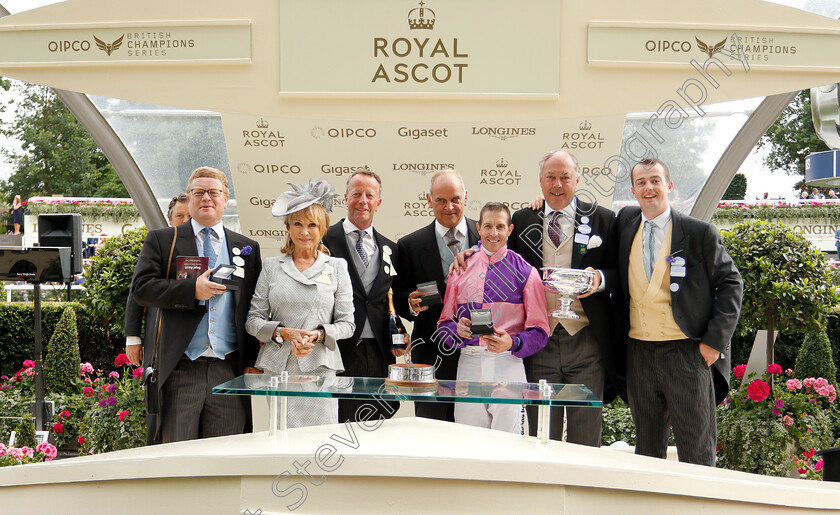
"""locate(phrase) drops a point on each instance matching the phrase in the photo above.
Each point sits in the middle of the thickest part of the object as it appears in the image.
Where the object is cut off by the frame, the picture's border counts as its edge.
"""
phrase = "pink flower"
(809, 382)
(123, 414)
(85, 368)
(81, 439)
(58, 427)
(28, 363)
(739, 371)
(137, 372)
(789, 371)
(819, 465)
(48, 449)
(777, 412)
(114, 374)
(758, 390)
(793, 384)
(774, 368)
(64, 414)
(121, 360)
(88, 391)
(779, 403)
(2, 449)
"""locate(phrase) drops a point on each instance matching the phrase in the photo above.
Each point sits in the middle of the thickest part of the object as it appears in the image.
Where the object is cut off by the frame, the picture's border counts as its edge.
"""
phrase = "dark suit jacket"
(373, 305)
(707, 304)
(527, 241)
(180, 310)
(419, 262)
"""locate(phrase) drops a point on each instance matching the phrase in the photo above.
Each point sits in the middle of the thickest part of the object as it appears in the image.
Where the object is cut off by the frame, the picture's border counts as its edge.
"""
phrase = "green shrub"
(815, 359)
(25, 432)
(61, 363)
(108, 278)
(116, 419)
(617, 423)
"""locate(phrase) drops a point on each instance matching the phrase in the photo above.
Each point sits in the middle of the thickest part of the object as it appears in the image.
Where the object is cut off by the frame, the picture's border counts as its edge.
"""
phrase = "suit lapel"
(472, 233)
(339, 248)
(533, 251)
(432, 266)
(679, 246)
(626, 241)
(582, 207)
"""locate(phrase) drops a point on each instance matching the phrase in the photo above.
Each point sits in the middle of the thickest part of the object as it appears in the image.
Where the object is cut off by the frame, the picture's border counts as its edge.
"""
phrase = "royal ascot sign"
(98, 44)
(430, 47)
(656, 45)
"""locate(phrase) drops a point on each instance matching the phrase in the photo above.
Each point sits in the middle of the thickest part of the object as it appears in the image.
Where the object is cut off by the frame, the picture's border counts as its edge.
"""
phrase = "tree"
(815, 358)
(787, 286)
(737, 188)
(61, 365)
(58, 156)
(792, 137)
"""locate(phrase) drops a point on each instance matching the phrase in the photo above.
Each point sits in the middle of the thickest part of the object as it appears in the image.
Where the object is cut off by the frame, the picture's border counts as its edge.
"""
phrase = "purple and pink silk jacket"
(510, 287)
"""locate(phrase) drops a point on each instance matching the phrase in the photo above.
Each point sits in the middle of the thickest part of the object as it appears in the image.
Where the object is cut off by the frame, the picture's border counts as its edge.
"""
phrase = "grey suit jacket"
(707, 301)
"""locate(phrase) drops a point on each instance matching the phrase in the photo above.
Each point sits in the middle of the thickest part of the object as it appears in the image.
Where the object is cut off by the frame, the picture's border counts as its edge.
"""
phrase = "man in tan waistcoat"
(683, 297)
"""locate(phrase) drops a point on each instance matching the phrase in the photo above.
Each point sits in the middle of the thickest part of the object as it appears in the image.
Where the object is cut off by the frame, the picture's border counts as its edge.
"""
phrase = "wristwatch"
(277, 336)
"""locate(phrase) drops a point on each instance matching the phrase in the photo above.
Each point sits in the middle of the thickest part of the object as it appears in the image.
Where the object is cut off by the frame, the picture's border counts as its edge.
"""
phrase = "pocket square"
(594, 242)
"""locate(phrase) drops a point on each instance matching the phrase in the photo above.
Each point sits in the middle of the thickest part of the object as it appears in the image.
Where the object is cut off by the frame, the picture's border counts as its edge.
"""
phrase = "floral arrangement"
(774, 425)
(10, 456)
(106, 412)
(116, 211)
(733, 213)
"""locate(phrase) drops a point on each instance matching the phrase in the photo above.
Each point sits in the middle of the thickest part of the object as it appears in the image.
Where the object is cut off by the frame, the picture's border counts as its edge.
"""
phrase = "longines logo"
(421, 18)
(405, 132)
(275, 234)
(339, 170)
(440, 61)
(344, 132)
(419, 207)
(422, 168)
(108, 47)
(262, 137)
(268, 168)
(500, 175)
(504, 133)
(583, 138)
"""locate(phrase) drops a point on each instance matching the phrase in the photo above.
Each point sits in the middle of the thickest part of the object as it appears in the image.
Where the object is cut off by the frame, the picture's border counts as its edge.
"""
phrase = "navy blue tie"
(209, 253)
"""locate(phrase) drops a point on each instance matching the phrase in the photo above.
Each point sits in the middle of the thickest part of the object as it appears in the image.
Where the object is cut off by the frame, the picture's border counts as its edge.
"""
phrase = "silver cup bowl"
(567, 282)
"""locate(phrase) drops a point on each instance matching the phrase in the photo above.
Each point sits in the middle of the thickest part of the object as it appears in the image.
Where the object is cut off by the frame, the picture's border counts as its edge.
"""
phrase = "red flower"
(773, 369)
(81, 439)
(137, 372)
(28, 363)
(758, 390)
(64, 414)
(739, 371)
(123, 414)
(88, 391)
(121, 360)
(819, 465)
(58, 427)
(809, 453)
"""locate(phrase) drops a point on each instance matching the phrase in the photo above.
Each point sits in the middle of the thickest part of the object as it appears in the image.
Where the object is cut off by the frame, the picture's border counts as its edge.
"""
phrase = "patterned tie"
(650, 243)
(555, 228)
(209, 253)
(452, 238)
(360, 249)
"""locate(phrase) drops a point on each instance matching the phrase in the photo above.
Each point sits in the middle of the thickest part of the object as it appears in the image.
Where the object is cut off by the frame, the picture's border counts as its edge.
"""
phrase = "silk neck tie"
(360, 249)
(209, 253)
(651, 256)
(452, 238)
(555, 228)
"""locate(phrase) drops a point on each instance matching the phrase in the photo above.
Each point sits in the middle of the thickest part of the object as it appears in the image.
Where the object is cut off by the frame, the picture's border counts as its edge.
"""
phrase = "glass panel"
(363, 388)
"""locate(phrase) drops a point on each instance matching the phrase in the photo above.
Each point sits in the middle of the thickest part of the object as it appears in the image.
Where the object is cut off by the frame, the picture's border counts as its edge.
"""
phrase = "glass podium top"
(365, 388)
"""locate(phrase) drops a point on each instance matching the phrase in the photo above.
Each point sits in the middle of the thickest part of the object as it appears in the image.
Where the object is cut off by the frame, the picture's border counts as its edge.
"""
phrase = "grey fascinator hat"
(303, 196)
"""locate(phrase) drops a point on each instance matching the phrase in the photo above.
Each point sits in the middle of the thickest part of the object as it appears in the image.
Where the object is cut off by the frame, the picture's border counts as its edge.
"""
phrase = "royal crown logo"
(501, 163)
(710, 49)
(421, 197)
(421, 18)
(585, 126)
(108, 47)
(262, 124)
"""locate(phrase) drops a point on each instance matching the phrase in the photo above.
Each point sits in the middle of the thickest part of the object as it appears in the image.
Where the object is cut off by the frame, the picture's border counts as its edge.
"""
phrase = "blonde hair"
(206, 171)
(314, 213)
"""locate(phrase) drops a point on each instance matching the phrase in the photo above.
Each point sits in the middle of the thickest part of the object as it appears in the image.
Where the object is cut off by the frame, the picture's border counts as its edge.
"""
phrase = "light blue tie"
(209, 253)
(651, 257)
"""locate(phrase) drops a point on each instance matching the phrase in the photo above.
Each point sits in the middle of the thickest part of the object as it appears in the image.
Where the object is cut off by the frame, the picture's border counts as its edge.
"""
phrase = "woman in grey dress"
(303, 302)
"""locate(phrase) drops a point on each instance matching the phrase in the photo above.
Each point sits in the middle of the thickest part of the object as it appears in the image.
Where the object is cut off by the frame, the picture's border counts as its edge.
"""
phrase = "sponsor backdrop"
(499, 162)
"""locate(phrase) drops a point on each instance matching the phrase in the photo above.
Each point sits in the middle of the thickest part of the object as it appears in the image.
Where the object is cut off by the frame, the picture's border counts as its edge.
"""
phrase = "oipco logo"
(343, 132)
(269, 168)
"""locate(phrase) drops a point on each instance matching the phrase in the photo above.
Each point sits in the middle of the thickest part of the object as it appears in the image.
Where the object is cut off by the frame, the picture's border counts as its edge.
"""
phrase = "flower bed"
(116, 211)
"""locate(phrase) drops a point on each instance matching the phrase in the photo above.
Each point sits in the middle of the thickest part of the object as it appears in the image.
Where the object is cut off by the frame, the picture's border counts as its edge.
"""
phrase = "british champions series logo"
(263, 137)
(108, 47)
(426, 59)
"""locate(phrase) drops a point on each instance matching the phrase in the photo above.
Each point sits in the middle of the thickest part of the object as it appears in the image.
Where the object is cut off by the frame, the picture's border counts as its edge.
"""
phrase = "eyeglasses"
(199, 193)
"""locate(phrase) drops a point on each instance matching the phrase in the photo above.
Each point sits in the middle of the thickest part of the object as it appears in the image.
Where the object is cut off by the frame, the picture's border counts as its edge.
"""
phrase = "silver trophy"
(567, 282)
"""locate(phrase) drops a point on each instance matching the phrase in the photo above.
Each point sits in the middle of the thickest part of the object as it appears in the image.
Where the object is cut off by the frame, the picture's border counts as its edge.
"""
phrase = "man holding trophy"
(570, 233)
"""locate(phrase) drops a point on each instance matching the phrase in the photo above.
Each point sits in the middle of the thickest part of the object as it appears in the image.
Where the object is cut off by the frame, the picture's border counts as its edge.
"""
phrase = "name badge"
(583, 239)
(325, 276)
(677, 271)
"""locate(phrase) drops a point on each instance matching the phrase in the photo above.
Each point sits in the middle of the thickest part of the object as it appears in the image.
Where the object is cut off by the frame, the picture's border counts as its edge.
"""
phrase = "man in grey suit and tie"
(370, 260)
(450, 233)
(683, 296)
(203, 342)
